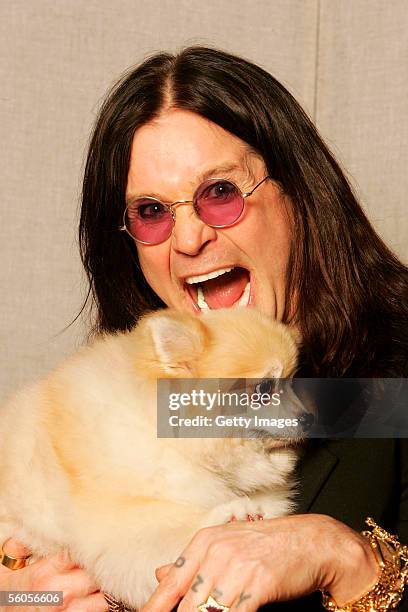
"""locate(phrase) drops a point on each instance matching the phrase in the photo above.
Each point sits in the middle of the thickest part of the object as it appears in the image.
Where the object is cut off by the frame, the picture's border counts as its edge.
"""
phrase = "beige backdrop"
(346, 61)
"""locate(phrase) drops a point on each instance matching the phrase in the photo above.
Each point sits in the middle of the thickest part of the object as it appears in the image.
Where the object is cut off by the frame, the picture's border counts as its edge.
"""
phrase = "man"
(298, 247)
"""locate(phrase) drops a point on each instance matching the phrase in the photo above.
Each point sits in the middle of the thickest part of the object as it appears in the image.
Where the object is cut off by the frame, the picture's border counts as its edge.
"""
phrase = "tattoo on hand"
(199, 580)
(179, 562)
(242, 598)
(217, 593)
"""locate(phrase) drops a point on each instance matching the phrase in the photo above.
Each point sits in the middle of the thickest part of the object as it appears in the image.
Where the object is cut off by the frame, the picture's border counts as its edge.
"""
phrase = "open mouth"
(221, 288)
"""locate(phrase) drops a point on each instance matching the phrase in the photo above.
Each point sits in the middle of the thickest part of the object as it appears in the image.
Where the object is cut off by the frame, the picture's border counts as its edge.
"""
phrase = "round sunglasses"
(217, 202)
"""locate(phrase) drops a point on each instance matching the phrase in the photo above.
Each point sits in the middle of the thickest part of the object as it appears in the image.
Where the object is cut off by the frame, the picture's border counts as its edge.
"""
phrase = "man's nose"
(190, 234)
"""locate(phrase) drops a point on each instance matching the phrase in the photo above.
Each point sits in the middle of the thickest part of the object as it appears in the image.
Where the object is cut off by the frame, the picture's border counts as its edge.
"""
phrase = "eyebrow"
(223, 170)
(219, 171)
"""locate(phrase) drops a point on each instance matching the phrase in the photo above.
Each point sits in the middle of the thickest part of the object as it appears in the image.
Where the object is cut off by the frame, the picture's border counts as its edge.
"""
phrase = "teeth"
(243, 300)
(191, 280)
(201, 300)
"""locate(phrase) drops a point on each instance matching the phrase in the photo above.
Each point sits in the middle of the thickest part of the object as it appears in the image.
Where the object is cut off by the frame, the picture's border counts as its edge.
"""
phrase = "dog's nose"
(306, 421)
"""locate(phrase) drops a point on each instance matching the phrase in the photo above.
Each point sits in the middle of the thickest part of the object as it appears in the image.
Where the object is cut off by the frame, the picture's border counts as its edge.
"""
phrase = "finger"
(229, 593)
(74, 584)
(198, 592)
(62, 561)
(181, 574)
(208, 582)
(93, 603)
(219, 578)
(55, 564)
(246, 602)
(14, 548)
(162, 571)
(173, 586)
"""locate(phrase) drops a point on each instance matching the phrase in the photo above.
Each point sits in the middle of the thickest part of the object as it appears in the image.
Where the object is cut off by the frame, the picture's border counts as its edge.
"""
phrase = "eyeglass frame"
(170, 206)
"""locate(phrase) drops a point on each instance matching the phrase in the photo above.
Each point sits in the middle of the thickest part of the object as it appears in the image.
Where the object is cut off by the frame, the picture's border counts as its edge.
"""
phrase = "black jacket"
(351, 479)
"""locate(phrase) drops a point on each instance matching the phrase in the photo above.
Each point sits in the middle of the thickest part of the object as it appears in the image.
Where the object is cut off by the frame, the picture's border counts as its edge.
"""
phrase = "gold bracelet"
(389, 588)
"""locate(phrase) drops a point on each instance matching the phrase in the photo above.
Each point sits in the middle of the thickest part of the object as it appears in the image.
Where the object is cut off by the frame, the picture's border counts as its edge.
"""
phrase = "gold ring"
(13, 563)
(211, 605)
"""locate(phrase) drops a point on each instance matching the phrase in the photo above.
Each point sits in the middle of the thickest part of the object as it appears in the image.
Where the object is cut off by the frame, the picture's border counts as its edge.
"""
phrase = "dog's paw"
(250, 518)
(245, 509)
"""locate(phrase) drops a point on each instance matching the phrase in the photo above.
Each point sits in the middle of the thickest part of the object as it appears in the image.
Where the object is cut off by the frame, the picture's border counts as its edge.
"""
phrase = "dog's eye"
(265, 386)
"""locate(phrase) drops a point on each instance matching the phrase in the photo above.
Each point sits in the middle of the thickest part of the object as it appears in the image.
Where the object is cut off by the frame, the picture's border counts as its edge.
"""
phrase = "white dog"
(82, 469)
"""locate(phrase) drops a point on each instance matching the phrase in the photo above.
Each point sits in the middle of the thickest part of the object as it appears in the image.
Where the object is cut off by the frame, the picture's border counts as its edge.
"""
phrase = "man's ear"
(178, 341)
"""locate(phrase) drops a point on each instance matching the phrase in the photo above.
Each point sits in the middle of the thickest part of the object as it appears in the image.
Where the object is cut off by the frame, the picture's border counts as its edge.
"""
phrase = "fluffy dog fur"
(82, 468)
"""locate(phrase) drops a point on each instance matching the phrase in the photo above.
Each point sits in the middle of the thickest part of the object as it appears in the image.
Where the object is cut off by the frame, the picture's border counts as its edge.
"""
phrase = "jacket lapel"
(314, 468)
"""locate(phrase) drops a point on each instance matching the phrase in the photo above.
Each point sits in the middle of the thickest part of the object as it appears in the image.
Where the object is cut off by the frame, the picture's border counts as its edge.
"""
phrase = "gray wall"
(345, 60)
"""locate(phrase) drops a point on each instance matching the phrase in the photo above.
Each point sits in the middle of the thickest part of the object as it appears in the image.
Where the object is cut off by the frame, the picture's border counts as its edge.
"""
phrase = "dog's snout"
(306, 420)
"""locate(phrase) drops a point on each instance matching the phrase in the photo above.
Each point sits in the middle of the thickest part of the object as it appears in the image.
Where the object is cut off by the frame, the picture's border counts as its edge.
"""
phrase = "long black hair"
(351, 291)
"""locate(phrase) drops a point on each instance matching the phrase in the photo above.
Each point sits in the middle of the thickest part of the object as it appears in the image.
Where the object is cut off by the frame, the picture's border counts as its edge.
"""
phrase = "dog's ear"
(178, 341)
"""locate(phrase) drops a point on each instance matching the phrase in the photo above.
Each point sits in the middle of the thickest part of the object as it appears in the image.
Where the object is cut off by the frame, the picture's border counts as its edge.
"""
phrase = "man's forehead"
(243, 168)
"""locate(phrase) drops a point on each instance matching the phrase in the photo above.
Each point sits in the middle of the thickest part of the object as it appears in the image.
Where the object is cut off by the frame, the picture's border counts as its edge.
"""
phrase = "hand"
(245, 565)
(56, 573)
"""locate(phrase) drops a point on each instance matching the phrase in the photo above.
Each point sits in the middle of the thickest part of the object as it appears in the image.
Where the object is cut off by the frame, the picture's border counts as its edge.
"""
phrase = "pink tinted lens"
(218, 202)
(149, 221)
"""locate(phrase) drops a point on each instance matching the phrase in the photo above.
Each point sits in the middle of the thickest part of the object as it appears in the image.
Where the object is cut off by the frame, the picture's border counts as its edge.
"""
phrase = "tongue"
(225, 290)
